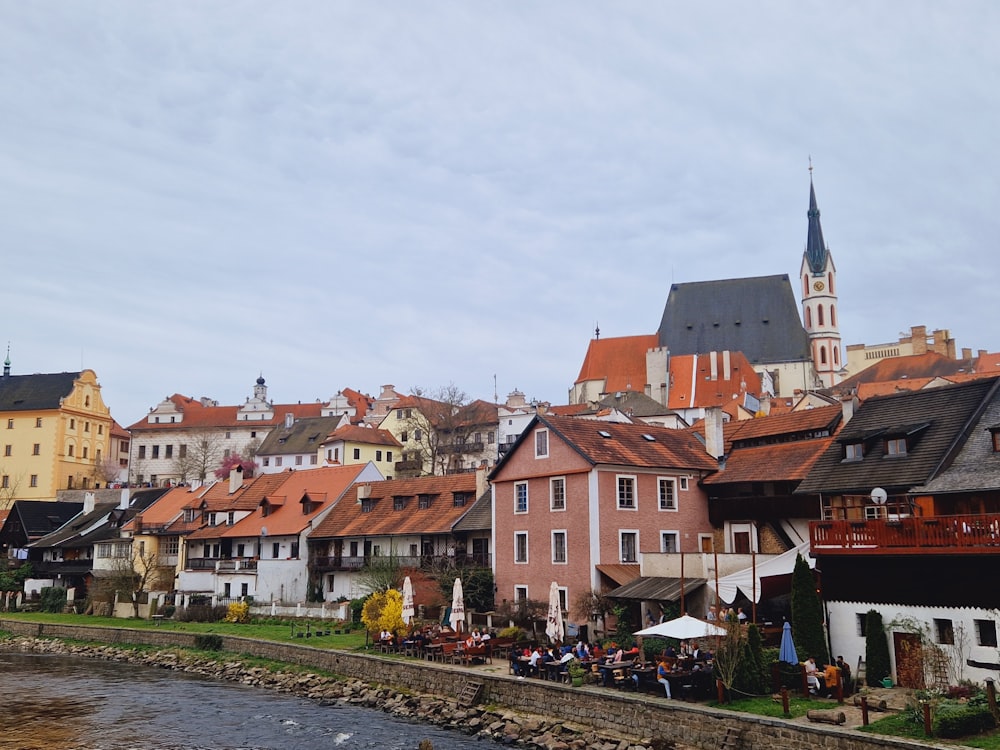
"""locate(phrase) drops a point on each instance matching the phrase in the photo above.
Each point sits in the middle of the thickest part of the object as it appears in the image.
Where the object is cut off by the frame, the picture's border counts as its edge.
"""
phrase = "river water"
(74, 703)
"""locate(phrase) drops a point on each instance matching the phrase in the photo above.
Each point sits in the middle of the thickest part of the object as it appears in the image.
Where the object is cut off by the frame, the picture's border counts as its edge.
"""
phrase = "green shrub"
(208, 642)
(877, 665)
(53, 599)
(513, 632)
(955, 720)
(201, 613)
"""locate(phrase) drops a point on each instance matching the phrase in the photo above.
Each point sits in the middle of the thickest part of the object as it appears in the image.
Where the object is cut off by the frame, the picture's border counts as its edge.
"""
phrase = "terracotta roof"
(568, 410)
(927, 365)
(782, 427)
(366, 435)
(620, 573)
(771, 463)
(619, 362)
(323, 486)
(349, 518)
(197, 416)
(692, 384)
(361, 402)
(988, 363)
(627, 444)
(166, 509)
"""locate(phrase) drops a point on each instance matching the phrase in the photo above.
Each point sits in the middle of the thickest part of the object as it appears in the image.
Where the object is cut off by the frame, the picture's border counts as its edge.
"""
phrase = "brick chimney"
(713, 432)
(848, 406)
(235, 479)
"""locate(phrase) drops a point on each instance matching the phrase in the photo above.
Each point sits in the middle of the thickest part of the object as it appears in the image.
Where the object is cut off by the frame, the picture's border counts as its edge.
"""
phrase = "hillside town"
(688, 468)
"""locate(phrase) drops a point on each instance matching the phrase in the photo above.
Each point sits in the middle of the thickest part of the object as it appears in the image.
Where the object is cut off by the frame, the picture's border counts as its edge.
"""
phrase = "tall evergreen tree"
(807, 614)
(877, 665)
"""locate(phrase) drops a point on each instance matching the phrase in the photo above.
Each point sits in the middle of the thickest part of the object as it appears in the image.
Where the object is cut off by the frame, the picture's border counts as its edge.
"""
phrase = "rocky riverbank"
(477, 721)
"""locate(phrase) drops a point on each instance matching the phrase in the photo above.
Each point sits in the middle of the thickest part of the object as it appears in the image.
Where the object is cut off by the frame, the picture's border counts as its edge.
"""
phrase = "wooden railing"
(973, 534)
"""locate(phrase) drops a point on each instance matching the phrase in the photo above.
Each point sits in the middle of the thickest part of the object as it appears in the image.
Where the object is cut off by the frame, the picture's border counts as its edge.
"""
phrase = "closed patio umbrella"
(554, 622)
(786, 651)
(408, 611)
(457, 617)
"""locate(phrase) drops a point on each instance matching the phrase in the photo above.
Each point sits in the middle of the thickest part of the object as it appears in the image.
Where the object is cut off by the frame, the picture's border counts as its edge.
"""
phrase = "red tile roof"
(348, 518)
(620, 362)
(770, 463)
(927, 365)
(367, 435)
(198, 416)
(693, 386)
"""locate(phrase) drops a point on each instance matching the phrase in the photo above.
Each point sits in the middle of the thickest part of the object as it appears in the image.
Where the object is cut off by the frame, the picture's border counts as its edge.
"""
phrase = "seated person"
(662, 671)
(385, 636)
(534, 661)
(845, 673)
(812, 674)
(670, 652)
(831, 676)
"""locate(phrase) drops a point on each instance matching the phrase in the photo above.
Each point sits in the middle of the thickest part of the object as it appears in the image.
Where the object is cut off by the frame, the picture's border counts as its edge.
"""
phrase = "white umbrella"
(407, 600)
(554, 625)
(457, 618)
(682, 628)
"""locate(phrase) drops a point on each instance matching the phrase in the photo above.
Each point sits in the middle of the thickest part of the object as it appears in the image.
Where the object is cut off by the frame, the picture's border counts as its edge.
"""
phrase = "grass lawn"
(281, 632)
(767, 706)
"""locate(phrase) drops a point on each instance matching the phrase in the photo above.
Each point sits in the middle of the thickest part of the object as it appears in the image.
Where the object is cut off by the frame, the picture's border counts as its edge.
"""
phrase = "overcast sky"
(346, 194)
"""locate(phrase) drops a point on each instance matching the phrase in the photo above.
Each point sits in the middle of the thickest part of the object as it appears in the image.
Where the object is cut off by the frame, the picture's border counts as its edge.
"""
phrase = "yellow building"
(353, 444)
(55, 433)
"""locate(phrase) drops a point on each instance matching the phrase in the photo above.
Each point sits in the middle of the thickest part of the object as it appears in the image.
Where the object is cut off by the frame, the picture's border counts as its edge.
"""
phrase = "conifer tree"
(807, 614)
(877, 665)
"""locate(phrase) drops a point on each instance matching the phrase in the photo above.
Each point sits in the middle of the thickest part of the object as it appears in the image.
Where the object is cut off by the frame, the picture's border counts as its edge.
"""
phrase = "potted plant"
(576, 672)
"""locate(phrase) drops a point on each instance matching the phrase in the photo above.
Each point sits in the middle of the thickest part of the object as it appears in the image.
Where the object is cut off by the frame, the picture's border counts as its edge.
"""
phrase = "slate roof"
(479, 517)
(757, 316)
(30, 520)
(348, 518)
(945, 414)
(304, 436)
(623, 444)
(620, 362)
(35, 392)
(976, 467)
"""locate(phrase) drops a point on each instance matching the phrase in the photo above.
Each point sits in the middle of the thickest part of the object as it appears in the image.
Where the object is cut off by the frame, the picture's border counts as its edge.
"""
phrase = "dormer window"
(853, 451)
(424, 502)
(308, 506)
(995, 438)
(895, 446)
(399, 503)
(366, 505)
(460, 499)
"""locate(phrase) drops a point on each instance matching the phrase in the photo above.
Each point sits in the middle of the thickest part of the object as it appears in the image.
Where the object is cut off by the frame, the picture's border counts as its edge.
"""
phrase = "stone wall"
(643, 718)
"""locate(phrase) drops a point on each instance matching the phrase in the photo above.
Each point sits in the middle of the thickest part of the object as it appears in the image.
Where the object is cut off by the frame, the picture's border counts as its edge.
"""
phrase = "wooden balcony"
(925, 535)
(322, 564)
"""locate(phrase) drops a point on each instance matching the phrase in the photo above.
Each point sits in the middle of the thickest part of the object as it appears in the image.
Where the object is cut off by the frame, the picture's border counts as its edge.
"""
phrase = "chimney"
(123, 500)
(289, 420)
(481, 483)
(137, 523)
(966, 352)
(713, 432)
(88, 502)
(235, 479)
(849, 405)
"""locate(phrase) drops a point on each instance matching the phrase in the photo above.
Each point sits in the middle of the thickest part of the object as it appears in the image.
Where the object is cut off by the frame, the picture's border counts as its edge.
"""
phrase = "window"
(276, 550)
(313, 459)
(5, 481)
(36, 449)
(168, 451)
(357, 453)
(7, 450)
(490, 437)
(399, 414)
(629, 545)
(190, 514)
(34, 480)
(104, 549)
(294, 552)
(853, 452)
(277, 460)
(298, 460)
(182, 450)
(668, 493)
(72, 424)
(378, 455)
(557, 493)
(69, 450)
(267, 461)
(38, 421)
(986, 633)
(156, 451)
(944, 632)
(460, 499)
(669, 541)
(244, 589)
(388, 455)
(424, 502)
(521, 547)
(171, 545)
(520, 594)
(417, 435)
(399, 503)
(895, 447)
(559, 547)
(521, 497)
(541, 443)
(367, 505)
(86, 426)
(862, 623)
(403, 436)
(228, 435)
(684, 484)
(626, 493)
(85, 451)
(10, 424)
(995, 435)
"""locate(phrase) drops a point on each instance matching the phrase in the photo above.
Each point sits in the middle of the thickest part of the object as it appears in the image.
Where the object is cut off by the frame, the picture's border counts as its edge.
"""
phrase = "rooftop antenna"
(597, 330)
(496, 398)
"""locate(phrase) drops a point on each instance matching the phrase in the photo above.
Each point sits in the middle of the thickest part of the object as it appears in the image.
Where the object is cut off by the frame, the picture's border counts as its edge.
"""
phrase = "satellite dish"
(879, 496)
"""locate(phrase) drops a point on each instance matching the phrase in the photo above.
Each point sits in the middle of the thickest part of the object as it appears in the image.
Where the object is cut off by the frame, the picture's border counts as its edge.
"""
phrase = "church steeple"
(819, 298)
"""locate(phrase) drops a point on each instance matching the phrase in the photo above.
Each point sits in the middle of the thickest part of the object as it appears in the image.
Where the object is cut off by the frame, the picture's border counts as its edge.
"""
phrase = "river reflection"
(73, 703)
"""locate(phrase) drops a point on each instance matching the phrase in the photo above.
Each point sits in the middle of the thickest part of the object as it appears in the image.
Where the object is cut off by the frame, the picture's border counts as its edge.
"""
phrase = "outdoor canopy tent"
(743, 580)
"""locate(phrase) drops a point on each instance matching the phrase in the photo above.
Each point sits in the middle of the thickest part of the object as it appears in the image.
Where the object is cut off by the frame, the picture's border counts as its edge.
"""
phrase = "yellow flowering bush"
(383, 610)
(238, 612)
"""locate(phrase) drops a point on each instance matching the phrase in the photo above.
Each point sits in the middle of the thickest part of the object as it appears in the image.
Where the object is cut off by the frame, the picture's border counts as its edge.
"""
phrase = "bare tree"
(441, 429)
(131, 577)
(199, 457)
(8, 487)
(106, 470)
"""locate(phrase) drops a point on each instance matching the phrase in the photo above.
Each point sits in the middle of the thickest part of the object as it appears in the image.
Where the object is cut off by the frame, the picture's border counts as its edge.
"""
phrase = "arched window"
(819, 314)
(836, 355)
(829, 282)
(805, 286)
(833, 316)
(822, 355)
(809, 318)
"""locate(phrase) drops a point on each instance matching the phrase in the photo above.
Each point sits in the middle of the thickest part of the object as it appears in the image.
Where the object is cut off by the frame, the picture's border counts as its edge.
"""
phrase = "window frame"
(664, 533)
(553, 494)
(521, 550)
(672, 483)
(622, 481)
(556, 535)
(541, 443)
(520, 502)
(624, 534)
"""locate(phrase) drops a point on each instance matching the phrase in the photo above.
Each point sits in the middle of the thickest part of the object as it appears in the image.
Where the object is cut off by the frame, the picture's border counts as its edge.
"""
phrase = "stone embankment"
(503, 726)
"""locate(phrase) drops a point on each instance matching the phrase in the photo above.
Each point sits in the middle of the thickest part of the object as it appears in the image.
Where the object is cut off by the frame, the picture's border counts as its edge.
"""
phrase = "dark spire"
(816, 249)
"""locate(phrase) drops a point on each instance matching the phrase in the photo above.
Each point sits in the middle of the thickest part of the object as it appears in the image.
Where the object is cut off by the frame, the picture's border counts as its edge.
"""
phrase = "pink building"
(577, 501)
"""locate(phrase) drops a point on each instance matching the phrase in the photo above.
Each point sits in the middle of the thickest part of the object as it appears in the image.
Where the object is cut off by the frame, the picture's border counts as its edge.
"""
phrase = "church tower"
(819, 299)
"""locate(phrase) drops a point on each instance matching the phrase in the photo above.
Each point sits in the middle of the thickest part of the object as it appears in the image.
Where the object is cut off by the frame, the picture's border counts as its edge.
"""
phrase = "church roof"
(815, 247)
(619, 361)
(34, 392)
(757, 316)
